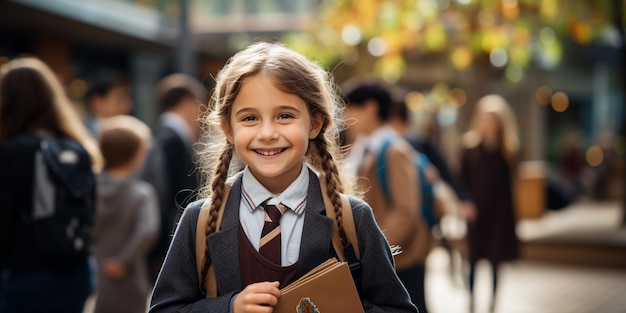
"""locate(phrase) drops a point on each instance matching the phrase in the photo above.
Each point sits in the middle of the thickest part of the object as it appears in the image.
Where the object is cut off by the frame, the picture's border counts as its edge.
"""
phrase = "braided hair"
(294, 74)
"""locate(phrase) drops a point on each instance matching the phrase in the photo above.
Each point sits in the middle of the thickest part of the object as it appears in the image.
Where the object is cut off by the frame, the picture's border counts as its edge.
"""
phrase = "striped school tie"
(269, 247)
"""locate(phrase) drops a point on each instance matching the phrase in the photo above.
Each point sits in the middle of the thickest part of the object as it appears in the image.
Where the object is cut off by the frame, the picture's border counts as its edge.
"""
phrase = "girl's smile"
(269, 152)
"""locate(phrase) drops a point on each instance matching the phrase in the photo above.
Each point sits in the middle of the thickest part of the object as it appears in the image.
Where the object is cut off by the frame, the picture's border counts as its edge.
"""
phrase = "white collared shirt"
(252, 216)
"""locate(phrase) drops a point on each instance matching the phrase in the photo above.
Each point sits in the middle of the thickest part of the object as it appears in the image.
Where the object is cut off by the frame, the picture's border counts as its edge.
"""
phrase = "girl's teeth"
(269, 153)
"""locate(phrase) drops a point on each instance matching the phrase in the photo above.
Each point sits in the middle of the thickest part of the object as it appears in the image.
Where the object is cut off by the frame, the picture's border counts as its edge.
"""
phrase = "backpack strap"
(381, 162)
(348, 253)
(201, 244)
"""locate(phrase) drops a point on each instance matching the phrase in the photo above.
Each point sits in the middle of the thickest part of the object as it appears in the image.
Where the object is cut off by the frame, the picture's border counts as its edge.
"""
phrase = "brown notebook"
(329, 287)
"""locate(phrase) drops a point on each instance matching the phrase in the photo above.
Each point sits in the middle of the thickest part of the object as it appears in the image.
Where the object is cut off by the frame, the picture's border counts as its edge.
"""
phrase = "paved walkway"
(532, 285)
(528, 286)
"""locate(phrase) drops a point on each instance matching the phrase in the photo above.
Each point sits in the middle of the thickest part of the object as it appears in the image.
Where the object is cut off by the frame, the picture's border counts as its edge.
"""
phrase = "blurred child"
(276, 111)
(127, 220)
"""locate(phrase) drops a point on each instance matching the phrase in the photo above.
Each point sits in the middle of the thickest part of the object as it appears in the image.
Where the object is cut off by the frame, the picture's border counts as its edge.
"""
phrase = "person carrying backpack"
(275, 111)
(47, 193)
(395, 199)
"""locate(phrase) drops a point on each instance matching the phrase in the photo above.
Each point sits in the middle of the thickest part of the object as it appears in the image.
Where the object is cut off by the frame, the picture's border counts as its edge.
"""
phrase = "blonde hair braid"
(334, 187)
(217, 193)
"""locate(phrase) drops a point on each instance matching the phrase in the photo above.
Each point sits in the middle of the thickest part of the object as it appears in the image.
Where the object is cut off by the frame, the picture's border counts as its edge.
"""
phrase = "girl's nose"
(267, 131)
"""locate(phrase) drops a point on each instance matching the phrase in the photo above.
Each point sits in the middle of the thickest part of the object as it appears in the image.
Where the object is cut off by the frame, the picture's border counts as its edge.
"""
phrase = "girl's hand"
(257, 298)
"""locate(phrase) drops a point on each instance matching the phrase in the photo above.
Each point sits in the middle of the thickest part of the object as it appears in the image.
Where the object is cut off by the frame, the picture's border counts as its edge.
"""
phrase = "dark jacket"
(177, 288)
(170, 169)
(16, 191)
(490, 184)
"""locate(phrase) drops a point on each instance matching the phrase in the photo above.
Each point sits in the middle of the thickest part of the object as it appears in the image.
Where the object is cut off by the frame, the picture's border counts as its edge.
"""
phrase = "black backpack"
(63, 207)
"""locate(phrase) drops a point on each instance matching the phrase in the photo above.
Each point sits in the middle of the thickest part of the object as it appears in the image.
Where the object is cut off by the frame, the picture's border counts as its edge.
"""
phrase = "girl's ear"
(317, 121)
(227, 130)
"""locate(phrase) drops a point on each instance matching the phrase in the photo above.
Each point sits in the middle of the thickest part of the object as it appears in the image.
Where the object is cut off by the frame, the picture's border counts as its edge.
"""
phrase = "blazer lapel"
(317, 229)
(224, 244)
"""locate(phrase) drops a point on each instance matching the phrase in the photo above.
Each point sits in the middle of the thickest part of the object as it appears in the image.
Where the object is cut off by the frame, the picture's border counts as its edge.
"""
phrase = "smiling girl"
(276, 112)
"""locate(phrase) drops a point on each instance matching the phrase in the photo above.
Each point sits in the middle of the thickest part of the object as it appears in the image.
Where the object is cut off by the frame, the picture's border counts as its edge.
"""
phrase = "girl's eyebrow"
(245, 110)
(288, 107)
(250, 109)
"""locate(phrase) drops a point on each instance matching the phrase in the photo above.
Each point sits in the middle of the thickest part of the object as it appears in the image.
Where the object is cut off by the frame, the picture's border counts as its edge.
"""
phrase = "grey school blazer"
(177, 287)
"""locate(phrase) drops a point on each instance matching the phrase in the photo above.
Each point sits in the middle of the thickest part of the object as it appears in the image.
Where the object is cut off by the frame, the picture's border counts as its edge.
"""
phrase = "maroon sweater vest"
(255, 268)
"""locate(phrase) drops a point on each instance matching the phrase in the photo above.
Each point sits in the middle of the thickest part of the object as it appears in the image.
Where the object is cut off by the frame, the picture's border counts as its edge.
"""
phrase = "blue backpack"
(422, 162)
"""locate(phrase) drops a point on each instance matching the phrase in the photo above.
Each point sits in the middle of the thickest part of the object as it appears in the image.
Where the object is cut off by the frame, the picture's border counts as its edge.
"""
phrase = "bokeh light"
(459, 97)
(435, 37)
(415, 101)
(498, 57)
(377, 46)
(543, 95)
(351, 35)
(461, 58)
(560, 102)
(594, 156)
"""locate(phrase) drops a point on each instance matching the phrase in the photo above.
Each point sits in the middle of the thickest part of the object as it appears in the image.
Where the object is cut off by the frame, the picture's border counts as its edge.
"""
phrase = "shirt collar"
(293, 197)
(377, 138)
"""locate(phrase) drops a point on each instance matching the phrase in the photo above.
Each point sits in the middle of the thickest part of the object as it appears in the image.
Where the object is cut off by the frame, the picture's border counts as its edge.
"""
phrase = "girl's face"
(270, 130)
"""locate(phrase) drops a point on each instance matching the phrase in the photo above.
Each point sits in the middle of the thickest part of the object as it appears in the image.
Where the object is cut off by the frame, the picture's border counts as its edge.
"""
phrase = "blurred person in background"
(488, 165)
(108, 95)
(170, 165)
(127, 220)
(34, 276)
(368, 108)
(400, 121)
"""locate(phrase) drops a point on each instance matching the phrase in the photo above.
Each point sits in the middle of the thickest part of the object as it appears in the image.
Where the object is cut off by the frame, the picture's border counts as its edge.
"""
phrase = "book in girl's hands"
(325, 289)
